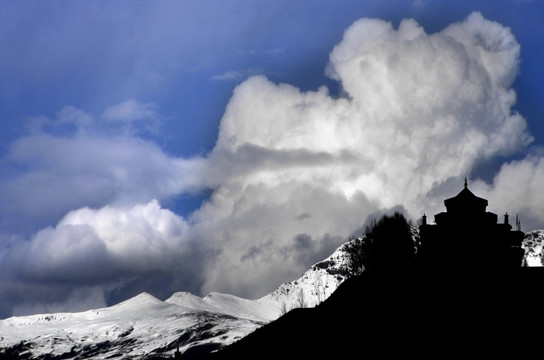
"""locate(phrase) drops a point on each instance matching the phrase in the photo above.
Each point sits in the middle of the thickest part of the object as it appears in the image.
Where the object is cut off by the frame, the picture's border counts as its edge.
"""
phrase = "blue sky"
(173, 55)
(212, 124)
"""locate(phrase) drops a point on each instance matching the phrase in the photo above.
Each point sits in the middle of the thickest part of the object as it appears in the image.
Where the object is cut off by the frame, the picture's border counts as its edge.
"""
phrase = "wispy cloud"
(237, 75)
(274, 51)
(131, 110)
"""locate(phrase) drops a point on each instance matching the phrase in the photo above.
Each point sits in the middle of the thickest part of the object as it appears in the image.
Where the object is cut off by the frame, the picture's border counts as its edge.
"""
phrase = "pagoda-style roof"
(465, 200)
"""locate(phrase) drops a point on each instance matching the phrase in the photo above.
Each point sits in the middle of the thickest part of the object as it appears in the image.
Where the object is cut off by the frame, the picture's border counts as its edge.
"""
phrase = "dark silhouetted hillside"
(400, 306)
(463, 294)
(405, 313)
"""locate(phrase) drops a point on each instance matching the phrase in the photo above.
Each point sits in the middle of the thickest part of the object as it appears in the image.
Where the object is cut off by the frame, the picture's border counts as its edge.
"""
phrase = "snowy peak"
(189, 301)
(312, 288)
(142, 300)
(318, 283)
(225, 304)
(146, 326)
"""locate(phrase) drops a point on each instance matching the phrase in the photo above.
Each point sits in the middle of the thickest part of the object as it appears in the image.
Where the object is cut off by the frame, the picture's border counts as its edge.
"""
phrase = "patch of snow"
(533, 244)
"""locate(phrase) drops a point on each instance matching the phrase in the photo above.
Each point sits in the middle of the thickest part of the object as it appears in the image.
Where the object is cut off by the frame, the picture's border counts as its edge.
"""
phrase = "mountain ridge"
(402, 314)
(144, 327)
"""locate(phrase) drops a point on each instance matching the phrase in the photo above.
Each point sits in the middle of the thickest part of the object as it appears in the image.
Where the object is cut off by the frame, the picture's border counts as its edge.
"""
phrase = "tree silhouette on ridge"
(389, 244)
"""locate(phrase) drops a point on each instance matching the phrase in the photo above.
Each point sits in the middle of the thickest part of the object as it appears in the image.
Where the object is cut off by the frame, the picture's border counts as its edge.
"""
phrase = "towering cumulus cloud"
(294, 172)
(416, 110)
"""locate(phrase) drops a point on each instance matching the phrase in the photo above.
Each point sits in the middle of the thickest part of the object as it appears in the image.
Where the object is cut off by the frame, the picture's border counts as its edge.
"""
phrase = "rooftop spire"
(466, 183)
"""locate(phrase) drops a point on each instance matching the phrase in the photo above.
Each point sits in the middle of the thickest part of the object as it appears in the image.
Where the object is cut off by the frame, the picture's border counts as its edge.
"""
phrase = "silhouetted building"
(467, 237)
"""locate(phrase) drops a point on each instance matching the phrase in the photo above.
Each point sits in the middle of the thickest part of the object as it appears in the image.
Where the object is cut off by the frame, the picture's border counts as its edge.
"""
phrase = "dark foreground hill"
(407, 313)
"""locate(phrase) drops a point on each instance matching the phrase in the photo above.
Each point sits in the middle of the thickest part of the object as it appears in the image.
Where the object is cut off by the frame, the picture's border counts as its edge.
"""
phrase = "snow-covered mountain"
(137, 327)
(146, 327)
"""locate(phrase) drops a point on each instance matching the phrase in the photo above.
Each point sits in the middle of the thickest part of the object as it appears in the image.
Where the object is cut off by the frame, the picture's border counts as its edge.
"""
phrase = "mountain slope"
(139, 326)
(405, 314)
(145, 326)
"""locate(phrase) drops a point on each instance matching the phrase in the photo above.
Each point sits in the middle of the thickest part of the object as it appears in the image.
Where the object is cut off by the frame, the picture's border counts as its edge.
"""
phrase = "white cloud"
(293, 172)
(131, 110)
(72, 115)
(419, 109)
(410, 97)
(73, 265)
(517, 189)
(100, 251)
(60, 173)
(237, 75)
(102, 244)
(68, 118)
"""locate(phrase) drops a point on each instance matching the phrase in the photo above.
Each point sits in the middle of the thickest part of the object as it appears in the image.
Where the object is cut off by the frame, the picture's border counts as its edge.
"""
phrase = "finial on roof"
(466, 183)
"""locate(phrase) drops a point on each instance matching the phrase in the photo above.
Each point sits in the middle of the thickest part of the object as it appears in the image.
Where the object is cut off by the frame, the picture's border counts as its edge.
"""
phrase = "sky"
(227, 146)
